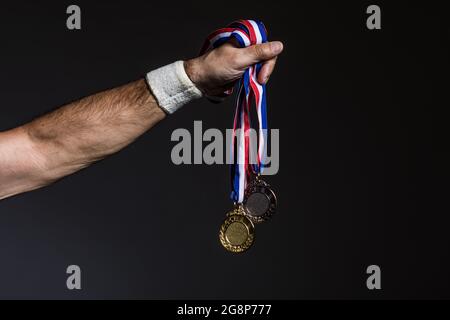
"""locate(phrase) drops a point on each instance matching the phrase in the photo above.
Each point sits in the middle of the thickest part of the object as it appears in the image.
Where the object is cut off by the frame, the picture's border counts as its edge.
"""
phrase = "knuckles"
(260, 51)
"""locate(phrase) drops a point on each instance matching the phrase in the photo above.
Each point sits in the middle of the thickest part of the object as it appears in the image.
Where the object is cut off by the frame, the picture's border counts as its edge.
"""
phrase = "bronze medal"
(237, 231)
(260, 202)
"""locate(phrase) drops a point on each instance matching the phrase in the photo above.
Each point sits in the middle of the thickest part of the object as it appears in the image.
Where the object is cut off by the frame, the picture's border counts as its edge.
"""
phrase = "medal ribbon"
(250, 93)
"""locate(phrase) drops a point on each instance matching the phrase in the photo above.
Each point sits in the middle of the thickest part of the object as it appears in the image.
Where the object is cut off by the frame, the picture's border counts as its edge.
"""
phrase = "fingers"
(266, 70)
(261, 52)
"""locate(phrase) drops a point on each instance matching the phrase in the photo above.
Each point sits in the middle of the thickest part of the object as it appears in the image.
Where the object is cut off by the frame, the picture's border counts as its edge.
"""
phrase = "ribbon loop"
(250, 94)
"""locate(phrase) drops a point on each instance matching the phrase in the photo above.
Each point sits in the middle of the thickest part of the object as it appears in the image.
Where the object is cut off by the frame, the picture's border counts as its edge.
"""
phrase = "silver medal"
(260, 202)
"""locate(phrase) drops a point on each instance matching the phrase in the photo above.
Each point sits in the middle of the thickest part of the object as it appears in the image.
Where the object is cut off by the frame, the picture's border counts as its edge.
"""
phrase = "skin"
(83, 132)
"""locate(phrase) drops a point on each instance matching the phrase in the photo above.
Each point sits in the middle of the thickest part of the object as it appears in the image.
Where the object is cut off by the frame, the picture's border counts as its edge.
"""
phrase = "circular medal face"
(260, 202)
(237, 232)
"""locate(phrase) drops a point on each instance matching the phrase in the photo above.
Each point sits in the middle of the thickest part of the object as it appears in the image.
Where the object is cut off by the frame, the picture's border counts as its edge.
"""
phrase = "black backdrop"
(363, 169)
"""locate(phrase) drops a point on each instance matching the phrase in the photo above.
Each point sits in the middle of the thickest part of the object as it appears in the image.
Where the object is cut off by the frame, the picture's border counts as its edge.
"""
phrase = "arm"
(74, 136)
(83, 132)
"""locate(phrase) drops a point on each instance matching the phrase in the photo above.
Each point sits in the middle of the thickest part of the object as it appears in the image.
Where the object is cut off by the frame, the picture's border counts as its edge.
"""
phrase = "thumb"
(261, 52)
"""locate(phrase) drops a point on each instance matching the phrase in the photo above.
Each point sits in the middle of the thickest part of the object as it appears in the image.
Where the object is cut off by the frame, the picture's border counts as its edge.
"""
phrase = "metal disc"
(237, 232)
(260, 202)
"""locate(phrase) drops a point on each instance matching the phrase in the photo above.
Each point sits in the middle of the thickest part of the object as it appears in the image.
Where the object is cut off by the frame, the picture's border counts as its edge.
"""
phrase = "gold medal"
(237, 231)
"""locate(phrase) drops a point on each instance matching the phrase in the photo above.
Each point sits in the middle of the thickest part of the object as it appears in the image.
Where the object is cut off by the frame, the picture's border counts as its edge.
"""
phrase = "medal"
(255, 202)
(237, 231)
(260, 202)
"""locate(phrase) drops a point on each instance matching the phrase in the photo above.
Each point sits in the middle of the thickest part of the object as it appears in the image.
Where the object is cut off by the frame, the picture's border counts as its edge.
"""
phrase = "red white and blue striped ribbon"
(250, 93)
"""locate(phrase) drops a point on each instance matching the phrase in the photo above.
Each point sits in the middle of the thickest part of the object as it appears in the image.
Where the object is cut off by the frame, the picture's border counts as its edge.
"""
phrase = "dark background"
(364, 156)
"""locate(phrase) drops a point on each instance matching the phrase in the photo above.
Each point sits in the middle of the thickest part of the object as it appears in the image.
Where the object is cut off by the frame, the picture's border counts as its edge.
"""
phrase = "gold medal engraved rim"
(260, 186)
(237, 216)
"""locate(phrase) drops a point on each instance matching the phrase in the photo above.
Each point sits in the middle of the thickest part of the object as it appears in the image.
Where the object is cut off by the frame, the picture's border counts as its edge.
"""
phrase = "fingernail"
(277, 47)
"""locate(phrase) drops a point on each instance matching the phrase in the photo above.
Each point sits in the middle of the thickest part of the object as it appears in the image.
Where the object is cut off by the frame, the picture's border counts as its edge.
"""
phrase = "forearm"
(75, 136)
(94, 127)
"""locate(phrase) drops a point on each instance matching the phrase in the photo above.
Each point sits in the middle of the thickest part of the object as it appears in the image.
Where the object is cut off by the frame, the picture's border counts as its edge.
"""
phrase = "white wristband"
(172, 87)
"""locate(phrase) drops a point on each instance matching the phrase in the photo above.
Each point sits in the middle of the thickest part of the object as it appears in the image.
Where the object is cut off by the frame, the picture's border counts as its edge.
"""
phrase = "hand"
(217, 70)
